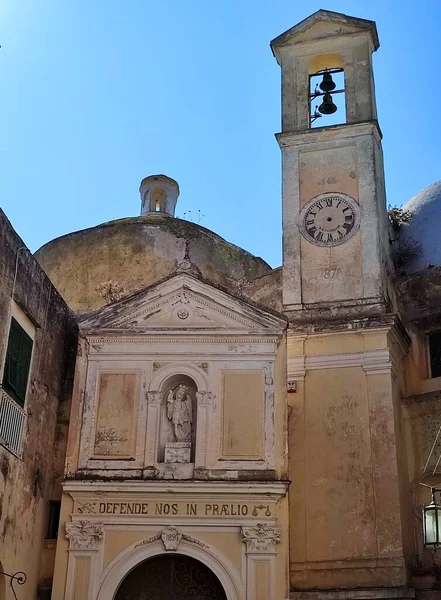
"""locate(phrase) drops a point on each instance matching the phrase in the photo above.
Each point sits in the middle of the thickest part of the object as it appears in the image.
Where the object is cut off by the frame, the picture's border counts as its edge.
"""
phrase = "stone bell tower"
(335, 252)
(348, 525)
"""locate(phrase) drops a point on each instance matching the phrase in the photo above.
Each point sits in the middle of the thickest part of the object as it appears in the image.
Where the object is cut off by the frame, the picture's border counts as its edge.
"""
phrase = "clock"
(329, 219)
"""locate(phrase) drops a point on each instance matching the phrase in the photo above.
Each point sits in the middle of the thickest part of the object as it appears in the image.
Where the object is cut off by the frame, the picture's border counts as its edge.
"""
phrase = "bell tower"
(335, 249)
(349, 527)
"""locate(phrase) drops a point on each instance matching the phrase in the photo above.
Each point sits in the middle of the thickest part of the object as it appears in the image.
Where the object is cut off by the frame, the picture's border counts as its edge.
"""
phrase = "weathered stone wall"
(266, 290)
(137, 252)
(27, 484)
(422, 418)
(419, 303)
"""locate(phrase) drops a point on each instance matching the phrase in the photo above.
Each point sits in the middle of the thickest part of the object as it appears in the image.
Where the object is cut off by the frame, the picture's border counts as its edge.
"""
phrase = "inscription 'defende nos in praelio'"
(174, 509)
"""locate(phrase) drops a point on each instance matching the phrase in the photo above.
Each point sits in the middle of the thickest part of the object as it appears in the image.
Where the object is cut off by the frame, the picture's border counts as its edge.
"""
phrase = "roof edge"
(332, 17)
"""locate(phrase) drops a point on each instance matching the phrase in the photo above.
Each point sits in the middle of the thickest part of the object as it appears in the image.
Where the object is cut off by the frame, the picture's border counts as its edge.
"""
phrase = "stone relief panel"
(84, 535)
(261, 538)
(116, 415)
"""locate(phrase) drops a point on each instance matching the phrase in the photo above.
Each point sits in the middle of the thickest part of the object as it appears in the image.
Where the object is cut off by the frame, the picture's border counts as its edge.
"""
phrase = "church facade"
(223, 429)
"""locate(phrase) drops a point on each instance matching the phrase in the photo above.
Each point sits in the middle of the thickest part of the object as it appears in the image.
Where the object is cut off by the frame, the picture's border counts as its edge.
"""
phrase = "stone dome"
(424, 228)
(136, 252)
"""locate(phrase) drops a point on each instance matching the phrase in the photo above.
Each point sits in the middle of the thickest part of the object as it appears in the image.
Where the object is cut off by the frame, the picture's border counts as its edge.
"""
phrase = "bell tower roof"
(325, 24)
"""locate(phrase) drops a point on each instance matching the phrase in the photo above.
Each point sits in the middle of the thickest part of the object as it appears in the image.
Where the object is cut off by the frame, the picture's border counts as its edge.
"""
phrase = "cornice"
(236, 488)
(372, 361)
(120, 338)
(332, 134)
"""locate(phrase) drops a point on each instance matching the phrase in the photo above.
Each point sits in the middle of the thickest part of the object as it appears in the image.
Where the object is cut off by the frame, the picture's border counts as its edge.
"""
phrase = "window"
(54, 520)
(435, 354)
(17, 363)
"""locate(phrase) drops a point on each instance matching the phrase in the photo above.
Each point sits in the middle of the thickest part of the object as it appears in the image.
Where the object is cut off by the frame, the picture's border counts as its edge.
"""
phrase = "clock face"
(329, 219)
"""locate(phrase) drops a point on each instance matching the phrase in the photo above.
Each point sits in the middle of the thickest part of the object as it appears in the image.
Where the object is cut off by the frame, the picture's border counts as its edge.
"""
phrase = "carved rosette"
(204, 397)
(154, 397)
(84, 535)
(261, 538)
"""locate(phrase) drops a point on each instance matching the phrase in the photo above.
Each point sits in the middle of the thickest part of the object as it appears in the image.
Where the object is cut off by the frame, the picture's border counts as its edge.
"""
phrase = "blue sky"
(97, 94)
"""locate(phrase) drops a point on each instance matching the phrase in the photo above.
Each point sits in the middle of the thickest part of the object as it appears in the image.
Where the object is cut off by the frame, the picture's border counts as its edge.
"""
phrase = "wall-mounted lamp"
(432, 521)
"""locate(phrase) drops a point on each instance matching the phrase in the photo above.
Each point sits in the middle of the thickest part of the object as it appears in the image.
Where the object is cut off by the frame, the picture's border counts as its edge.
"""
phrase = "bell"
(327, 107)
(327, 84)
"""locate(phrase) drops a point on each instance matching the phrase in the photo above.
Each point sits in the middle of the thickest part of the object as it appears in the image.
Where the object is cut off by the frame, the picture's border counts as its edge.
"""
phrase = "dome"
(136, 252)
(424, 228)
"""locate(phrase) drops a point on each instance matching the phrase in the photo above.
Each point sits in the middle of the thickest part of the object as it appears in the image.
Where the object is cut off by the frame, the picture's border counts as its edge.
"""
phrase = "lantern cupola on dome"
(159, 194)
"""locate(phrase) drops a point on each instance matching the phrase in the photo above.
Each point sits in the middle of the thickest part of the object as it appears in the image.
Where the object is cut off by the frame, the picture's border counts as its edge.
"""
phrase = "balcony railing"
(12, 420)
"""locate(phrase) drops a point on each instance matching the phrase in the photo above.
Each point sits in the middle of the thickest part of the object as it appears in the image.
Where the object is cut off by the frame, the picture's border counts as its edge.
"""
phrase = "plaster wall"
(333, 159)
(28, 483)
(345, 523)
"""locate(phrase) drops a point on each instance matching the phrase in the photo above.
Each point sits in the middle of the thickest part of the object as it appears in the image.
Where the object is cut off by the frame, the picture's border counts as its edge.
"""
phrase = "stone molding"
(171, 538)
(188, 291)
(261, 538)
(84, 535)
(307, 137)
(110, 579)
(243, 489)
(229, 338)
(372, 361)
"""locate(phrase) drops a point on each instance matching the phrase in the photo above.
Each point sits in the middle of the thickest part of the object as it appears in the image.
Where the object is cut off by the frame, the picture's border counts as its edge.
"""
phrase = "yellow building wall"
(345, 523)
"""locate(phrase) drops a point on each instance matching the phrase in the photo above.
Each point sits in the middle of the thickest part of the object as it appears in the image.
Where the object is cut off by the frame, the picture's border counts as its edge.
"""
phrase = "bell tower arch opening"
(170, 577)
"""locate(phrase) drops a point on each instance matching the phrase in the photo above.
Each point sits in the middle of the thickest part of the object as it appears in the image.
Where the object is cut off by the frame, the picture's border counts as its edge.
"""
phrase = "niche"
(177, 430)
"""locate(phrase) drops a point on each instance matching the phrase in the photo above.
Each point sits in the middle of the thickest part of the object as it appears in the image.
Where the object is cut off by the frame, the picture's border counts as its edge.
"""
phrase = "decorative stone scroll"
(261, 538)
(171, 538)
(84, 535)
(154, 397)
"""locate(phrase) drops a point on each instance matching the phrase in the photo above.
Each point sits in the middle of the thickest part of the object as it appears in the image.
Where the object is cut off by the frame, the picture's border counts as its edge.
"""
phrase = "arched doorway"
(171, 577)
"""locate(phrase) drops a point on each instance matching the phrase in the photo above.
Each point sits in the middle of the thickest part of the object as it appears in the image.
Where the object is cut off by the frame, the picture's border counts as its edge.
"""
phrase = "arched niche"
(178, 405)
(161, 376)
(171, 577)
(133, 556)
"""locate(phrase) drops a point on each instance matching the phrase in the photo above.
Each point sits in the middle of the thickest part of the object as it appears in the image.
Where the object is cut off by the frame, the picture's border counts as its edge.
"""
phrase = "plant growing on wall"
(398, 217)
(111, 291)
(403, 249)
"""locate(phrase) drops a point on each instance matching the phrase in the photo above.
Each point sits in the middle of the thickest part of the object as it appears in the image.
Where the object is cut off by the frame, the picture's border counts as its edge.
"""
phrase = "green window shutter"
(18, 362)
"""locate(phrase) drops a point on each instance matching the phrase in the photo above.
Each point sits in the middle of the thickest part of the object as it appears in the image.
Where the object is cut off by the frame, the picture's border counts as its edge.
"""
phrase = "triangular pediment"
(182, 304)
(324, 24)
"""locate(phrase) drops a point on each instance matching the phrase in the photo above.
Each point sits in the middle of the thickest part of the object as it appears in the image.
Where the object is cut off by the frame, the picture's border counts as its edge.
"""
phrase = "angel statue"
(179, 411)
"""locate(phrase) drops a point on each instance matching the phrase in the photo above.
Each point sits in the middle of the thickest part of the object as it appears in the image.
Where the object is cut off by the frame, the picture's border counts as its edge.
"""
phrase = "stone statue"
(179, 411)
